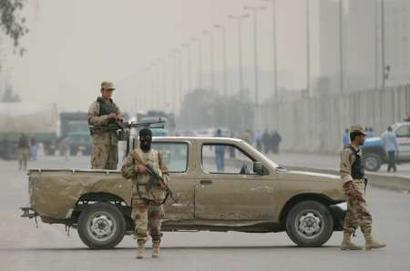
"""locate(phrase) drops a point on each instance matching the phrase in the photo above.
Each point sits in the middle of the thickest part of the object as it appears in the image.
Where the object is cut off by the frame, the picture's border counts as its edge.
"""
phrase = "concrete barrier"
(380, 180)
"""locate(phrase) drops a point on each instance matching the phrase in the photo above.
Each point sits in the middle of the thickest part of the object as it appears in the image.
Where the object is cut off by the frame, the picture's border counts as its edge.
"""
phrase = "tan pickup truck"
(221, 184)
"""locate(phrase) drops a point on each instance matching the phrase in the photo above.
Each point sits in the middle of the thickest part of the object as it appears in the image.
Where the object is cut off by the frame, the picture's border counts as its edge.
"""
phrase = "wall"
(317, 124)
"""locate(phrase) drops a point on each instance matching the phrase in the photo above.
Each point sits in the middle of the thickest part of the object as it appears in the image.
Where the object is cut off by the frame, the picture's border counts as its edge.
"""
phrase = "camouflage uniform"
(23, 151)
(146, 204)
(104, 153)
(352, 174)
(357, 211)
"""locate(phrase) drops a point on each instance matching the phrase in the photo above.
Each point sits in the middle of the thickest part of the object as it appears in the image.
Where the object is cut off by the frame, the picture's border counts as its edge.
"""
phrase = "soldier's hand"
(113, 115)
(140, 169)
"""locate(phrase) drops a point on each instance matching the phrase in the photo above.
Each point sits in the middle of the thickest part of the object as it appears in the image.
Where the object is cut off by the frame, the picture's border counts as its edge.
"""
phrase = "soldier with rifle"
(102, 114)
(146, 168)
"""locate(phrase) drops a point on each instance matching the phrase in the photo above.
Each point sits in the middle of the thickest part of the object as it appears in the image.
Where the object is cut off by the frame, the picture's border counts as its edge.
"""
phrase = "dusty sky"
(74, 45)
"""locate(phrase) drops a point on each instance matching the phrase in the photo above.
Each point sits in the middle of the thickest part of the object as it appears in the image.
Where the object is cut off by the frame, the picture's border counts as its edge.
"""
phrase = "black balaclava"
(145, 139)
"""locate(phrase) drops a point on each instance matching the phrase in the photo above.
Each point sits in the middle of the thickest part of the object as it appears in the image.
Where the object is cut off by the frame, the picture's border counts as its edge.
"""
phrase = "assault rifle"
(122, 129)
(157, 180)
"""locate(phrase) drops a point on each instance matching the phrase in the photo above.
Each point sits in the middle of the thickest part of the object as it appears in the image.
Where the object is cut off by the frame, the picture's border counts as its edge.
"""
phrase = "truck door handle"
(205, 182)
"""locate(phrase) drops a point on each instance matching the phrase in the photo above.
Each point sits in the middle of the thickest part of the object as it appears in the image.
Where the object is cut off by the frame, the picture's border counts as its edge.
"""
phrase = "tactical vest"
(357, 167)
(106, 108)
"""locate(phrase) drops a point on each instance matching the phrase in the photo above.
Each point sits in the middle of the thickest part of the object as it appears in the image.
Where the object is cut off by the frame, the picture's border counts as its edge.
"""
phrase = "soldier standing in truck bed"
(101, 114)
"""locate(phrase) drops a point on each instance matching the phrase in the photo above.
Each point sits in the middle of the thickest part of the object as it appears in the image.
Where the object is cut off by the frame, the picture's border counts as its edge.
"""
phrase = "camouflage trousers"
(104, 156)
(147, 218)
(357, 212)
(23, 154)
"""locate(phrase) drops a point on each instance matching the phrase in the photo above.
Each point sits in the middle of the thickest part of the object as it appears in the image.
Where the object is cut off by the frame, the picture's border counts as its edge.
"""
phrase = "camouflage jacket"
(97, 120)
(140, 181)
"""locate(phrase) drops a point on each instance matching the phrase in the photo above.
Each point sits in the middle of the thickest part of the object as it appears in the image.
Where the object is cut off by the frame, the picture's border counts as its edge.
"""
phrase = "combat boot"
(347, 243)
(140, 249)
(371, 243)
(155, 248)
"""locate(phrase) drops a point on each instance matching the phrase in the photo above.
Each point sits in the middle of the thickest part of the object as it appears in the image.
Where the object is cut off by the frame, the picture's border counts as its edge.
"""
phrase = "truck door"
(175, 155)
(229, 189)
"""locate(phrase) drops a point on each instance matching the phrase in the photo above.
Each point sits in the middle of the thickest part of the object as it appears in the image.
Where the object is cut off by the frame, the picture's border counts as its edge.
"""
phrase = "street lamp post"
(341, 55)
(211, 59)
(223, 31)
(308, 48)
(383, 64)
(255, 10)
(239, 19)
(199, 79)
(274, 50)
(189, 65)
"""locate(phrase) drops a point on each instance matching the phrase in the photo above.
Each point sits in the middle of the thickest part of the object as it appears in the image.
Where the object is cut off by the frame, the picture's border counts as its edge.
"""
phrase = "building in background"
(361, 39)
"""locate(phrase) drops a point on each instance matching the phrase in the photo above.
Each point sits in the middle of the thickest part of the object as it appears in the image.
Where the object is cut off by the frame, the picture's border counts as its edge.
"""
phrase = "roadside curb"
(380, 180)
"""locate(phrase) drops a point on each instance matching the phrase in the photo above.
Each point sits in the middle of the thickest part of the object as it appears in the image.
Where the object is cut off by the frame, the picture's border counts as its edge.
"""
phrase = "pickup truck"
(373, 148)
(247, 193)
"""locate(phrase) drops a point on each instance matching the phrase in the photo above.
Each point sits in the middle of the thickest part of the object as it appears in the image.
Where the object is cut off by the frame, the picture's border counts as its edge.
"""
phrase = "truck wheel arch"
(303, 197)
(94, 197)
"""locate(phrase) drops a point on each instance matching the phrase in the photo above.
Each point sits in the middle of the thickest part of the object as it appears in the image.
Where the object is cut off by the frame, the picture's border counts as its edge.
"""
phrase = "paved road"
(23, 247)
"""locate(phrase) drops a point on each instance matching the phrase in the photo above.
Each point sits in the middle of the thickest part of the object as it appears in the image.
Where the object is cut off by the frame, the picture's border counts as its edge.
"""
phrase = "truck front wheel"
(101, 226)
(309, 224)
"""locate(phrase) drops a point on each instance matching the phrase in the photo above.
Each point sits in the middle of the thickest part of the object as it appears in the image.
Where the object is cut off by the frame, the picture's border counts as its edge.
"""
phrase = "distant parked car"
(373, 148)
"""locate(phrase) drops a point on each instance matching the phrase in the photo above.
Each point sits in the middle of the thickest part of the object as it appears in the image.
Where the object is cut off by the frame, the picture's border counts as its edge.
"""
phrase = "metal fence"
(317, 124)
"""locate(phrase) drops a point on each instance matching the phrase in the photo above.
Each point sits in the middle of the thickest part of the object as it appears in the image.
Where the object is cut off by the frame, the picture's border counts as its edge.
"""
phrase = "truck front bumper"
(339, 212)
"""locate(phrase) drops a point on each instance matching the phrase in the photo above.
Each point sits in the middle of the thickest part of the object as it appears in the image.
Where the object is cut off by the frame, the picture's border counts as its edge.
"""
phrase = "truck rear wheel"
(309, 224)
(101, 226)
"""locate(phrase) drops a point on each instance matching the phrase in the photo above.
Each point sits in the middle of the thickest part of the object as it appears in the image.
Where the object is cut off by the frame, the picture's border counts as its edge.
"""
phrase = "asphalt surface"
(23, 247)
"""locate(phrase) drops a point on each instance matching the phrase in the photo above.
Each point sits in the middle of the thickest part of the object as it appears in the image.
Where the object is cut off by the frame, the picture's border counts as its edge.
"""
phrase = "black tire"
(309, 224)
(101, 226)
(372, 162)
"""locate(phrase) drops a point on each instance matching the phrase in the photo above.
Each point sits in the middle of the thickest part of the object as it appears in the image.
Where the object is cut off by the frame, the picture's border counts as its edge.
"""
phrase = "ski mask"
(145, 139)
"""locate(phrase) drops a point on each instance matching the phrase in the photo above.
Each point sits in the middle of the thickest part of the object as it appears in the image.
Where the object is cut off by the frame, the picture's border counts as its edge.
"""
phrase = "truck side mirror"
(258, 168)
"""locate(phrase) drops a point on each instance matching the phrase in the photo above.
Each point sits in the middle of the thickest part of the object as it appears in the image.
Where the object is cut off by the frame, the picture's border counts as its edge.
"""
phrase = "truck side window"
(225, 159)
(175, 155)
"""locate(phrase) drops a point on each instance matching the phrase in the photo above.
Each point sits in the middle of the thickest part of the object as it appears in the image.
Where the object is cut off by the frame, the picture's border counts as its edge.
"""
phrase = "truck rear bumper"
(28, 212)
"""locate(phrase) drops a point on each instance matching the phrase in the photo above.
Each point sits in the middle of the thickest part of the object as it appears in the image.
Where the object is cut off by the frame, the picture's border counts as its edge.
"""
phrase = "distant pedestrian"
(346, 139)
(219, 154)
(391, 148)
(23, 151)
(370, 132)
(275, 141)
(232, 149)
(258, 140)
(34, 149)
(266, 141)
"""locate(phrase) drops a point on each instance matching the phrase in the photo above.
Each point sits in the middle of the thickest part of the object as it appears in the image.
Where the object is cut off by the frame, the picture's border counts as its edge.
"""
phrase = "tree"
(11, 22)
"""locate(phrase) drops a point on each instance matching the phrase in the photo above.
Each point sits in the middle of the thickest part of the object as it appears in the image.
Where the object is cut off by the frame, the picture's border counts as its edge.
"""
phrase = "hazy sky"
(73, 45)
